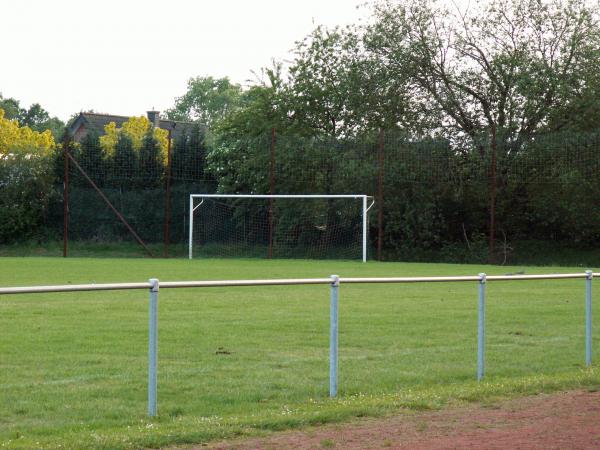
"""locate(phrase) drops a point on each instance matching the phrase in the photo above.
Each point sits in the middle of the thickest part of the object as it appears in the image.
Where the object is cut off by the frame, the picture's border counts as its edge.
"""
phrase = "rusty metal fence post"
(66, 141)
(380, 163)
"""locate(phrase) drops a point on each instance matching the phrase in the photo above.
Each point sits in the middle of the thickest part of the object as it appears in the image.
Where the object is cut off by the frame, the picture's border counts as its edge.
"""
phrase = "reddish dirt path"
(569, 420)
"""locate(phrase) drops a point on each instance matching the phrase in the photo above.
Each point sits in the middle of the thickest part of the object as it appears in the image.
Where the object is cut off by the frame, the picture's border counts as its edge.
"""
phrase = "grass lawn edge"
(183, 431)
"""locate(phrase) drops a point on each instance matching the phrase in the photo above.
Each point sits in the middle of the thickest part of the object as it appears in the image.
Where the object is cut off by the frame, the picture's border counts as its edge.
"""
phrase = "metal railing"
(153, 285)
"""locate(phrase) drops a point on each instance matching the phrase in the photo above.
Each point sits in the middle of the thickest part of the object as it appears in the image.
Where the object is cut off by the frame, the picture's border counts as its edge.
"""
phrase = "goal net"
(279, 226)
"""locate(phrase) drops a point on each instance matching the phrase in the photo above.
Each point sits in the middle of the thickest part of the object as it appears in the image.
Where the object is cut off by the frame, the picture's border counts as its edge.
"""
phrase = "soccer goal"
(279, 226)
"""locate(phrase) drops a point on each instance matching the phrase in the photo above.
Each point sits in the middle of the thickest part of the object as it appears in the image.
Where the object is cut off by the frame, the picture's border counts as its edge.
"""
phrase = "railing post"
(481, 328)
(152, 346)
(588, 317)
(333, 335)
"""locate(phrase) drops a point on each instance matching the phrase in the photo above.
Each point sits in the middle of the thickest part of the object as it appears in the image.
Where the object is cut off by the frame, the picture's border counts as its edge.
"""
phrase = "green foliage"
(475, 77)
(207, 100)
(336, 87)
(11, 108)
(125, 162)
(26, 190)
(504, 94)
(150, 160)
(90, 156)
(261, 108)
(481, 67)
(189, 155)
(562, 193)
(35, 117)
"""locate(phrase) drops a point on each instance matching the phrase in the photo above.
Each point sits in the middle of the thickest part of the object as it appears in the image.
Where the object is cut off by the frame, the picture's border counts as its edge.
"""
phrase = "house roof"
(97, 122)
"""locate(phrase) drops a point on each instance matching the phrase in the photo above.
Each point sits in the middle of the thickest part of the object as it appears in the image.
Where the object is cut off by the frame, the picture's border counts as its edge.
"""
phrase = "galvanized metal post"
(481, 328)
(588, 317)
(152, 347)
(333, 335)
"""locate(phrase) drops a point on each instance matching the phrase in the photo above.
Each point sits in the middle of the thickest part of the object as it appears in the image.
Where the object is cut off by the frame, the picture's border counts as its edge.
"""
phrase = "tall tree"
(207, 100)
(261, 107)
(35, 117)
(91, 158)
(150, 157)
(338, 88)
(494, 71)
(502, 64)
(11, 107)
(125, 162)
(189, 155)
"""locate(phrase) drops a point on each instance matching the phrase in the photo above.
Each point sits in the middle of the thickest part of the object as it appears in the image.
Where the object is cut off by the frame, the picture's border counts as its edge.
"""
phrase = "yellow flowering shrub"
(110, 138)
(15, 139)
(26, 179)
(135, 128)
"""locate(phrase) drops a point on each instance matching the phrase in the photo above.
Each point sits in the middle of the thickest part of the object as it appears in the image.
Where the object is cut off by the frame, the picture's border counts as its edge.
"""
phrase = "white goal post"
(364, 199)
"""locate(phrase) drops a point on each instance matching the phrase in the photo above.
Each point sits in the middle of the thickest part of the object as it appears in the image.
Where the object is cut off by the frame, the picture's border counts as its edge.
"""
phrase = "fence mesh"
(432, 195)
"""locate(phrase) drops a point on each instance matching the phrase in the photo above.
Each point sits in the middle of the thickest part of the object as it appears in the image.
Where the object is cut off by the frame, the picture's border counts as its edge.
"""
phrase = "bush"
(26, 189)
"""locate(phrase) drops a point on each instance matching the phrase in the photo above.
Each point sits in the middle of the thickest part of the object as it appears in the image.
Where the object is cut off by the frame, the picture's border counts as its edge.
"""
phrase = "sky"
(126, 57)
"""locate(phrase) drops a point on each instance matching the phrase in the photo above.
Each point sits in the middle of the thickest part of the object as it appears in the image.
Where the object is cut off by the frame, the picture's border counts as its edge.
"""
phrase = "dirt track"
(569, 420)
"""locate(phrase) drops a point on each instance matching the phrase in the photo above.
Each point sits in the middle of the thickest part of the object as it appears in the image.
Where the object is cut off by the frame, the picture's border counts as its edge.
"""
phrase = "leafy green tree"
(36, 117)
(90, 156)
(207, 100)
(150, 160)
(124, 164)
(319, 89)
(494, 72)
(502, 65)
(338, 88)
(11, 107)
(189, 155)
(262, 107)
(580, 112)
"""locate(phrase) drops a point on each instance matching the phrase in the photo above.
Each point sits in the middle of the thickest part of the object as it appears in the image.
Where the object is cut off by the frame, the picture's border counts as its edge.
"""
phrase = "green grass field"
(249, 360)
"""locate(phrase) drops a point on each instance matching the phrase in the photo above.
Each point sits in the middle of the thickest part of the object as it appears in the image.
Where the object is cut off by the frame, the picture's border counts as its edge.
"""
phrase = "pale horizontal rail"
(408, 279)
(558, 276)
(162, 285)
(224, 283)
(277, 282)
(74, 288)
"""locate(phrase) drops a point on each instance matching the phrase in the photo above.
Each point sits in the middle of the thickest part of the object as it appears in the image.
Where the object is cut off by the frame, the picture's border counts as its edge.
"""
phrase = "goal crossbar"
(363, 197)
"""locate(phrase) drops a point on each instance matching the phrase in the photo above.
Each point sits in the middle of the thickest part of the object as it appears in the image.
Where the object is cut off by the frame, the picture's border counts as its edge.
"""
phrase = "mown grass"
(249, 360)
(526, 252)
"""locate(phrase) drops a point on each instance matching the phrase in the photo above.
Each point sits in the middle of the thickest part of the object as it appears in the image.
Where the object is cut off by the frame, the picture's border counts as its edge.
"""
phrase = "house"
(87, 121)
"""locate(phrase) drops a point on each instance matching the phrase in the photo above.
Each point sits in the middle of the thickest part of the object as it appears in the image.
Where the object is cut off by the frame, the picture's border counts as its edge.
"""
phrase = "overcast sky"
(128, 56)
